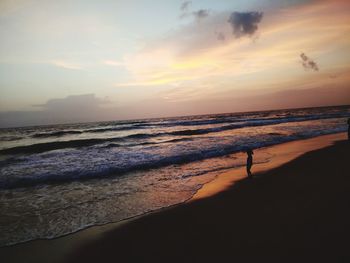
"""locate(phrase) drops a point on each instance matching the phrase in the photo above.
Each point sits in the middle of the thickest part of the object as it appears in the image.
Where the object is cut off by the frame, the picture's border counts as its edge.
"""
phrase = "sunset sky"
(68, 61)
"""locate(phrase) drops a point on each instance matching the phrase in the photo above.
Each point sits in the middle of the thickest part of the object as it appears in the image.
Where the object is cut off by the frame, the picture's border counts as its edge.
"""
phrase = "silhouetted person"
(249, 162)
(349, 129)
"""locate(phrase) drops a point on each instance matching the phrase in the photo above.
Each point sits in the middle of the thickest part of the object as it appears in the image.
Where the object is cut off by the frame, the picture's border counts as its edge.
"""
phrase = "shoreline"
(281, 156)
(60, 247)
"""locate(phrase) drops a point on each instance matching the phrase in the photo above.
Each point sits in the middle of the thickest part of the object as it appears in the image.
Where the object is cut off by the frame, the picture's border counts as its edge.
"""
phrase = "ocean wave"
(10, 138)
(87, 130)
(112, 145)
(248, 119)
(247, 123)
(52, 178)
(112, 129)
(55, 134)
(211, 120)
(254, 118)
(157, 161)
(48, 146)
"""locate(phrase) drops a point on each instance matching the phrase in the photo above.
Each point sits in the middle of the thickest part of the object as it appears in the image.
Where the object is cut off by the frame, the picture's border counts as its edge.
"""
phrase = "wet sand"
(293, 210)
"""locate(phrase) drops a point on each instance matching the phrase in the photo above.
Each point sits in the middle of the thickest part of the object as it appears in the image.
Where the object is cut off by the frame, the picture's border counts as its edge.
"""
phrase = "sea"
(58, 179)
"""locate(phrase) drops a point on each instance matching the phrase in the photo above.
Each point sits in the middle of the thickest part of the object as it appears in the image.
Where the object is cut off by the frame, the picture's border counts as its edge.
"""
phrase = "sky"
(83, 60)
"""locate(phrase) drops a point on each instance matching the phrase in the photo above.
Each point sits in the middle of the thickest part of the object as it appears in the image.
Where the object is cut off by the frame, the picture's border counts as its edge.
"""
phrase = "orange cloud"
(197, 61)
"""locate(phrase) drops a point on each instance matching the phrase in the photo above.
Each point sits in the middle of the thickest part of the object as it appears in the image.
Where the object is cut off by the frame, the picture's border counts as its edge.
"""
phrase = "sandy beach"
(295, 209)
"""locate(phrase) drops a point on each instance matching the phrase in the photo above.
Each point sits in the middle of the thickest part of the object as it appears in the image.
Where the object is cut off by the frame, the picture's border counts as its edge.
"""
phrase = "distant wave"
(49, 146)
(112, 145)
(95, 130)
(241, 118)
(10, 138)
(249, 123)
(55, 134)
(122, 128)
(237, 120)
(43, 147)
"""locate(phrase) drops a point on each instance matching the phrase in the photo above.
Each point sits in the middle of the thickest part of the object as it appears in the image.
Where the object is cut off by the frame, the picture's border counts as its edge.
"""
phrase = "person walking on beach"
(249, 162)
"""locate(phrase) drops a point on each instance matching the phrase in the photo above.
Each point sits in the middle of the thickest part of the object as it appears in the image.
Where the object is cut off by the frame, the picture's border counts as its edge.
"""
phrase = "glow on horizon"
(143, 58)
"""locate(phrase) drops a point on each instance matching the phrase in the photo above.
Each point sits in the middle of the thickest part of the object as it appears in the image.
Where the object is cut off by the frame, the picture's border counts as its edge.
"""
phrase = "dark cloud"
(73, 103)
(245, 23)
(185, 6)
(201, 13)
(76, 108)
(308, 63)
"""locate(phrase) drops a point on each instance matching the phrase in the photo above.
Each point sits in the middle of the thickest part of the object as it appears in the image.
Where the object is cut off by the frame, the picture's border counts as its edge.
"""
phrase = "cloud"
(75, 108)
(201, 13)
(185, 6)
(194, 54)
(245, 23)
(190, 53)
(75, 103)
(308, 63)
(220, 36)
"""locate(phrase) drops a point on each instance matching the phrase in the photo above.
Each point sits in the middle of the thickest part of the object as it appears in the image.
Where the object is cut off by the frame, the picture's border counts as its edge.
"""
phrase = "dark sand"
(299, 212)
